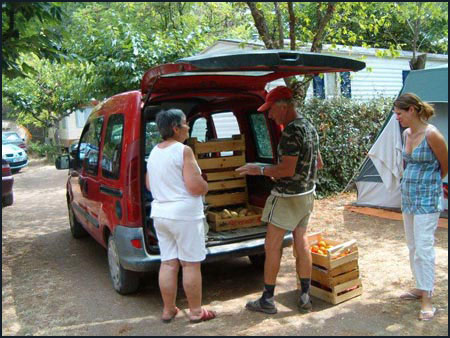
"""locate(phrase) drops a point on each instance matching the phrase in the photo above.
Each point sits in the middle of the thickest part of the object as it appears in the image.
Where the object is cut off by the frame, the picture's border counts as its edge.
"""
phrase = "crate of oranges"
(335, 272)
(329, 253)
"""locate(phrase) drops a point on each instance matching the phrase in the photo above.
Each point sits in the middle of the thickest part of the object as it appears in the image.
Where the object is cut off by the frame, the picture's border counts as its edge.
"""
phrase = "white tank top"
(170, 196)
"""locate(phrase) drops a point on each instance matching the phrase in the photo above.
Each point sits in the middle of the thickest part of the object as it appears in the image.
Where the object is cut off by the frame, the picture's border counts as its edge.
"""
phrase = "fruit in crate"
(226, 213)
(243, 212)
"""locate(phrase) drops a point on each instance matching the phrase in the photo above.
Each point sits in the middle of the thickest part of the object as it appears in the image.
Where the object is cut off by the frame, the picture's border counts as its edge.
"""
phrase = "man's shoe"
(260, 305)
(304, 303)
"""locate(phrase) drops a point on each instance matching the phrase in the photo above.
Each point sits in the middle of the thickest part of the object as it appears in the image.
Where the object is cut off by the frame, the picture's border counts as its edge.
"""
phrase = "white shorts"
(183, 240)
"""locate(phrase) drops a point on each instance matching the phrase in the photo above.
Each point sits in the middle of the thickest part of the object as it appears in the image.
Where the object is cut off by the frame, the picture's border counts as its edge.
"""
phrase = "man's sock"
(268, 292)
(305, 283)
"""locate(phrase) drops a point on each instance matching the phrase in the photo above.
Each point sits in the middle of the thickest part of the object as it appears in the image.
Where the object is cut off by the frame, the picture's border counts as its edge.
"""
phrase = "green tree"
(51, 93)
(30, 27)
(393, 26)
(123, 40)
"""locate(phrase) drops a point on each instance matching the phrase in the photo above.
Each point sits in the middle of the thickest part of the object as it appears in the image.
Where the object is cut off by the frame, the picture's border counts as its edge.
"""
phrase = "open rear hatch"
(237, 72)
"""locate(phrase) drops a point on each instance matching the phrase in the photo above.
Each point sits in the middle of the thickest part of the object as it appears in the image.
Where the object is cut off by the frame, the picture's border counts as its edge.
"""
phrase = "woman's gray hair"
(167, 119)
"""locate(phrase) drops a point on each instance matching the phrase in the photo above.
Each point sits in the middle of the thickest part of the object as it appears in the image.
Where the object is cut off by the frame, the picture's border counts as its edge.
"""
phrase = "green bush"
(40, 149)
(347, 129)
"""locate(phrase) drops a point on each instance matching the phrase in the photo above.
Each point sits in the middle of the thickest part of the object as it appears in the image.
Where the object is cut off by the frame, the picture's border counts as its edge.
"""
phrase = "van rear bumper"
(139, 260)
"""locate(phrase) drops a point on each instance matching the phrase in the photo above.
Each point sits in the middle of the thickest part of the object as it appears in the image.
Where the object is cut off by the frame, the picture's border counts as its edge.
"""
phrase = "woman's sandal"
(408, 295)
(168, 320)
(427, 315)
(206, 315)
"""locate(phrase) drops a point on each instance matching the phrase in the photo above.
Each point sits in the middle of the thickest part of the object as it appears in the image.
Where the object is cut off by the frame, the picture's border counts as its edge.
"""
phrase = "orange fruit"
(314, 248)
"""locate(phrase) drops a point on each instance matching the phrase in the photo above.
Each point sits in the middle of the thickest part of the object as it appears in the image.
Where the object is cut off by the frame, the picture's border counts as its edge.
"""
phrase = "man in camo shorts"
(291, 201)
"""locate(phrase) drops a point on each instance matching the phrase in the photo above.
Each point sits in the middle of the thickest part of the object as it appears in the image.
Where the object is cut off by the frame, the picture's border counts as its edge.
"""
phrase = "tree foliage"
(29, 28)
(123, 40)
(347, 129)
(390, 25)
(53, 92)
(107, 46)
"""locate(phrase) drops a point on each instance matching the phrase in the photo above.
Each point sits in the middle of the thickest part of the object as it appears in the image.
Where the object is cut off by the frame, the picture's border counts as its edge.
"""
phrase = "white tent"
(378, 180)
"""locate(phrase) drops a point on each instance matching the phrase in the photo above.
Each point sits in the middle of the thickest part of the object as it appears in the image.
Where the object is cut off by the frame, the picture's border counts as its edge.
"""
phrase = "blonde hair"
(424, 110)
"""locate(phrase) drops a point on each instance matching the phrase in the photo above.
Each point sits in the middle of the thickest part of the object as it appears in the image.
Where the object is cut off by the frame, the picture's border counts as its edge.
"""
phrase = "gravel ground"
(55, 285)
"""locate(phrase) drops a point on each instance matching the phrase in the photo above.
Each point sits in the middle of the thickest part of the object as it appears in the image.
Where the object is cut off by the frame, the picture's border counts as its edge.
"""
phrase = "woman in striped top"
(425, 155)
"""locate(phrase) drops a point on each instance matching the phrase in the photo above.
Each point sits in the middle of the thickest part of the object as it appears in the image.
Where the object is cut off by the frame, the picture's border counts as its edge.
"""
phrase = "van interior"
(211, 117)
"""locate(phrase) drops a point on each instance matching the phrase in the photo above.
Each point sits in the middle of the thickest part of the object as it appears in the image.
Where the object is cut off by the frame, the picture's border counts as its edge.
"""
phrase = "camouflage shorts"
(288, 212)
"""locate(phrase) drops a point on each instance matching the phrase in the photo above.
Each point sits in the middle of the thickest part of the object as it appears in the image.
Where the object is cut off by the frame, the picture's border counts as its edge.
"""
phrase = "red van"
(106, 194)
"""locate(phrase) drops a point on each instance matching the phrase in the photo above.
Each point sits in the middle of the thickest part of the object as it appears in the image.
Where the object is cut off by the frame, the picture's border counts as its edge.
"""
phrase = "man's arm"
(319, 161)
(286, 168)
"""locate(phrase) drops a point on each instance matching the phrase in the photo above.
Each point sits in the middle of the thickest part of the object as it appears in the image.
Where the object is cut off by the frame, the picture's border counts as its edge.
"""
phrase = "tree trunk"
(280, 26)
(418, 62)
(261, 25)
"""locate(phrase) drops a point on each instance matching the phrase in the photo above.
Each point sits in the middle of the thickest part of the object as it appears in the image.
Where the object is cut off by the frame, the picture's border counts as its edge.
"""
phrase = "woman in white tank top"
(175, 181)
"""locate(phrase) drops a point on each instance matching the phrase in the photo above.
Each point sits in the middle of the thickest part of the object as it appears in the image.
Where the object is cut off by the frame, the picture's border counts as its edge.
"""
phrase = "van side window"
(199, 129)
(89, 146)
(261, 136)
(226, 125)
(152, 137)
(112, 148)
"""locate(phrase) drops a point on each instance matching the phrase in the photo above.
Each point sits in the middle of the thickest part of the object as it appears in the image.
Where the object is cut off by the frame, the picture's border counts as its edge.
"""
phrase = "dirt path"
(55, 285)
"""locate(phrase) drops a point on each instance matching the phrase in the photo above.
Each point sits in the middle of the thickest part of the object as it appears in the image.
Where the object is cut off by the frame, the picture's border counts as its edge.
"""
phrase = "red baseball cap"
(278, 93)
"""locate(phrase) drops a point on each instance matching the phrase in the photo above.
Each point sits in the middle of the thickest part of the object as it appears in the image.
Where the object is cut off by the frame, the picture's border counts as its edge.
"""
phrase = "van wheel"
(258, 260)
(7, 200)
(124, 281)
(76, 228)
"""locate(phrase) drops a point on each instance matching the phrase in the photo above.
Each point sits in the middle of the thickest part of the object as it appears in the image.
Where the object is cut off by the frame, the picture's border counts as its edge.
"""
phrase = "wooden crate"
(333, 259)
(334, 279)
(339, 293)
(226, 188)
(217, 223)
(339, 275)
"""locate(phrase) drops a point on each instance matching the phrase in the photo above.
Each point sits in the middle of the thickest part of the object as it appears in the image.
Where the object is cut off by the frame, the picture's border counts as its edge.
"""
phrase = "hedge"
(347, 129)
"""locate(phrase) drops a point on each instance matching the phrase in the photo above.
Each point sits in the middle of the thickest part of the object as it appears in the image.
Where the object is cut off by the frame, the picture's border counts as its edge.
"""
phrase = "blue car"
(15, 156)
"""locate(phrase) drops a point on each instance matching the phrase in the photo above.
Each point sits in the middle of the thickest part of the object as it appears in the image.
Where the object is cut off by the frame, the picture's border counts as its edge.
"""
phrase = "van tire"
(124, 281)
(7, 200)
(76, 228)
(258, 260)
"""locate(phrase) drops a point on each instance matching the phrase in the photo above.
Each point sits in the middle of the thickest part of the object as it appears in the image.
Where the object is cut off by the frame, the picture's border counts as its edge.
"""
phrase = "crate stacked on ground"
(335, 273)
(227, 196)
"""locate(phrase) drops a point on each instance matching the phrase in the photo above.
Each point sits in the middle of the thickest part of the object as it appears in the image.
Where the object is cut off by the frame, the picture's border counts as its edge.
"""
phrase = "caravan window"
(226, 125)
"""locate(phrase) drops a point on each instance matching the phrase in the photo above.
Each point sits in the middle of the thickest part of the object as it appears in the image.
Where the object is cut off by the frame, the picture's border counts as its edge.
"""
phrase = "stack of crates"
(335, 275)
(226, 188)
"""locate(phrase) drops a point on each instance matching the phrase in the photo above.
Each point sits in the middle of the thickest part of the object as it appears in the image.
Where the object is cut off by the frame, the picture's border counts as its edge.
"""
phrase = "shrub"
(347, 129)
(42, 150)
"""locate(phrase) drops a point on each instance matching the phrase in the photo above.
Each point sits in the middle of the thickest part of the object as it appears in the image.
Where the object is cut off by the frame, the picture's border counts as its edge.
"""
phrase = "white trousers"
(419, 231)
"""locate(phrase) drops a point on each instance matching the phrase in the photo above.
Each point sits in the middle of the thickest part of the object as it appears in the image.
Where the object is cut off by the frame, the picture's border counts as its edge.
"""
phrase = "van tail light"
(22, 145)
(133, 200)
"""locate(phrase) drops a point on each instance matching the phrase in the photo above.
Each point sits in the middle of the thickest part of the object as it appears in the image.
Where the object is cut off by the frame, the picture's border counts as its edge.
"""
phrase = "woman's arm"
(195, 184)
(439, 147)
(147, 181)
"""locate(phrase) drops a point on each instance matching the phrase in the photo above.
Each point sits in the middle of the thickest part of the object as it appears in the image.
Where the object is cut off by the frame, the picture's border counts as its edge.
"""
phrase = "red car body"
(7, 184)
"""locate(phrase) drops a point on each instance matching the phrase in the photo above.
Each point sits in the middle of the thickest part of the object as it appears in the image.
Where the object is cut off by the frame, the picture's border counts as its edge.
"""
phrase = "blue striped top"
(421, 184)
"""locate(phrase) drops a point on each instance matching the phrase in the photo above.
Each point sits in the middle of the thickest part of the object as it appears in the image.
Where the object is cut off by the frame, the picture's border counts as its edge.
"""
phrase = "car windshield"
(10, 137)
